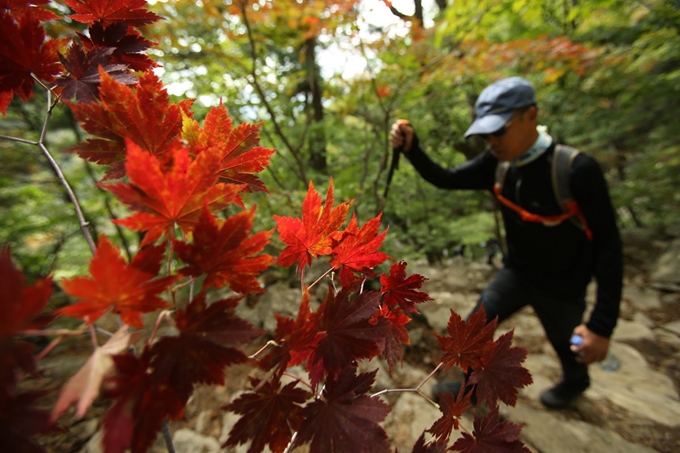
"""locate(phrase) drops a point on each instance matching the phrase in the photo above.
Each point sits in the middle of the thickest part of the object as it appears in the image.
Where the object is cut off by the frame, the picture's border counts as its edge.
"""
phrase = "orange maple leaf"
(235, 148)
(165, 199)
(130, 289)
(310, 236)
(225, 252)
(142, 114)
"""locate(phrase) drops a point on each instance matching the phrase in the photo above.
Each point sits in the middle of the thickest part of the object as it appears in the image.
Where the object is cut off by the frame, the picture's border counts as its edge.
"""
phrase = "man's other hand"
(594, 347)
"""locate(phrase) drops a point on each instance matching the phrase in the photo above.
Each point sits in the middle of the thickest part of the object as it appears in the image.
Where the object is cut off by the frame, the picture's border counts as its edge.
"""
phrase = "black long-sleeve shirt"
(558, 260)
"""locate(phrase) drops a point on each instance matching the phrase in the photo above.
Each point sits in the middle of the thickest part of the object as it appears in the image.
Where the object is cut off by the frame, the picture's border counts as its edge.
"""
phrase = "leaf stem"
(291, 443)
(269, 343)
(320, 278)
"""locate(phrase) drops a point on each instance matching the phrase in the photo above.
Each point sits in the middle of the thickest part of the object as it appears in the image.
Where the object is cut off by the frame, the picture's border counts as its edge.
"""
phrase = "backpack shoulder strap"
(501, 173)
(563, 158)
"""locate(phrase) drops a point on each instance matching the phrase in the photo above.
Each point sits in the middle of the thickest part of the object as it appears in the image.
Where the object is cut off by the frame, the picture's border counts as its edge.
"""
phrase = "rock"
(636, 388)
(665, 274)
(188, 441)
(410, 416)
(631, 330)
(555, 433)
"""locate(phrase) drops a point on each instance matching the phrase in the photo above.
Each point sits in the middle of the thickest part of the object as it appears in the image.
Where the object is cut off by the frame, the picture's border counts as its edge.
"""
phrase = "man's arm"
(590, 191)
(477, 173)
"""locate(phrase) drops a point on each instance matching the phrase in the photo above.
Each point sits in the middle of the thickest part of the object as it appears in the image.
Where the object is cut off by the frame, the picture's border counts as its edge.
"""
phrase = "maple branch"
(49, 333)
(182, 285)
(164, 314)
(263, 97)
(291, 443)
(53, 344)
(320, 278)
(93, 335)
(167, 438)
(269, 343)
(441, 364)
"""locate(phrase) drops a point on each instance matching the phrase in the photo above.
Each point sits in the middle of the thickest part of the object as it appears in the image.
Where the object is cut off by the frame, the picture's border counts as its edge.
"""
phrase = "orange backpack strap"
(561, 173)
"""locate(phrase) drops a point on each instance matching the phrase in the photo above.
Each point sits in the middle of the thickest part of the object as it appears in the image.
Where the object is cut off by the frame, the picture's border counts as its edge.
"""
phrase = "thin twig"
(269, 343)
(168, 438)
(320, 278)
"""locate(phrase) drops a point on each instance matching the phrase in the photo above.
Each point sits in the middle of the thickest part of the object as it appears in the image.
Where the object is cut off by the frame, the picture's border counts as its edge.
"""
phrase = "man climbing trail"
(554, 245)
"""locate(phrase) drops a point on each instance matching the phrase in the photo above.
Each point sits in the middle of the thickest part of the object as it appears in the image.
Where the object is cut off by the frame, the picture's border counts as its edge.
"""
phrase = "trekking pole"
(394, 165)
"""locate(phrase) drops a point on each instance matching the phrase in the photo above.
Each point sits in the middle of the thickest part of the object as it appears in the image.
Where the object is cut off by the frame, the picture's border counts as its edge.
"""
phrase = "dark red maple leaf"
(25, 52)
(167, 199)
(396, 334)
(20, 305)
(310, 237)
(501, 373)
(235, 148)
(428, 447)
(35, 8)
(491, 435)
(133, 12)
(452, 407)
(225, 252)
(356, 249)
(467, 340)
(143, 401)
(295, 339)
(84, 73)
(127, 44)
(130, 289)
(202, 350)
(345, 419)
(143, 114)
(21, 421)
(347, 334)
(271, 414)
(400, 290)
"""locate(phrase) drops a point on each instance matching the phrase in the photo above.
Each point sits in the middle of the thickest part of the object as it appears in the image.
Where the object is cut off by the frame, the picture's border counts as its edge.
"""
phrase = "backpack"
(563, 158)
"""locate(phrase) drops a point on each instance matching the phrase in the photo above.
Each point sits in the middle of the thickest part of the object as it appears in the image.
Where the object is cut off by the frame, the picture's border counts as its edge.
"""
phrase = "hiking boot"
(449, 387)
(563, 393)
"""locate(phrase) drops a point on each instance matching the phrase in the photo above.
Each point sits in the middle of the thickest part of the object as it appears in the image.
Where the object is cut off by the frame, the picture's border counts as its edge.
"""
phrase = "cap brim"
(488, 124)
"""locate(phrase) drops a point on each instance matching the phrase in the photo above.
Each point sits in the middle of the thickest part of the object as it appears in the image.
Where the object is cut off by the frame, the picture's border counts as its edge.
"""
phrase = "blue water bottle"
(609, 364)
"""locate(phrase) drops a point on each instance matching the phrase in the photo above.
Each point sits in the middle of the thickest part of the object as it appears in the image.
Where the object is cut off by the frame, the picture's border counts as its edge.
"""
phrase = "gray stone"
(555, 433)
(188, 441)
(631, 330)
(673, 327)
(641, 298)
(410, 416)
(666, 272)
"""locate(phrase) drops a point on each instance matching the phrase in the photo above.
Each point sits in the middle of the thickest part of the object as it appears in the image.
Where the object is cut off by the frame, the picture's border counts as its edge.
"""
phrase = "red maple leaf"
(84, 73)
(452, 407)
(21, 421)
(428, 447)
(491, 435)
(345, 419)
(348, 334)
(201, 351)
(235, 149)
(25, 53)
(310, 237)
(20, 305)
(400, 290)
(130, 289)
(295, 339)
(501, 373)
(19, 8)
(166, 199)
(127, 44)
(467, 341)
(355, 251)
(133, 12)
(143, 402)
(270, 415)
(396, 334)
(225, 252)
(143, 114)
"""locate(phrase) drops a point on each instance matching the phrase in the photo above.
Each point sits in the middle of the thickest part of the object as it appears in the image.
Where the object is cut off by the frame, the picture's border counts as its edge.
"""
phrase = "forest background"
(327, 80)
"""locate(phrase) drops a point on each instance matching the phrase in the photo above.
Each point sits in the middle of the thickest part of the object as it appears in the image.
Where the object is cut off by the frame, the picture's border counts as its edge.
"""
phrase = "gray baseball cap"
(497, 102)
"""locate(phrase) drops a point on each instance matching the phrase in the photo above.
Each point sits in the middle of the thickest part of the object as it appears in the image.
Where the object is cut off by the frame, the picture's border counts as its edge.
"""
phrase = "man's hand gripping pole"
(396, 152)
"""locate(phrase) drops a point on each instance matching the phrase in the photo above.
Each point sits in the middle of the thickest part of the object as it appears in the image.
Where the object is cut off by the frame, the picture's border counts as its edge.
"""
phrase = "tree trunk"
(317, 136)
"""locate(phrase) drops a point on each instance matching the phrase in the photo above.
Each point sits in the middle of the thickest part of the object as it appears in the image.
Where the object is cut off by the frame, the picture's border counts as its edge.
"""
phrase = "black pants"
(507, 294)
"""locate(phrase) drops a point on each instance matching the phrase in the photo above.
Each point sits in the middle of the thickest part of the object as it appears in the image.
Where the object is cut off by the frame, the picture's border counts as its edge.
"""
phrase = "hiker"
(550, 259)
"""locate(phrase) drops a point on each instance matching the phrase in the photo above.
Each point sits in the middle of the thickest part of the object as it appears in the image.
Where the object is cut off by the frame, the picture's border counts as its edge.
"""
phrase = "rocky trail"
(635, 408)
